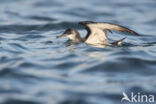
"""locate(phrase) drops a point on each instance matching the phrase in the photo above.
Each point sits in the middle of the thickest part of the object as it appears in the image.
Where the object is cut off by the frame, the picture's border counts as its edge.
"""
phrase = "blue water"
(37, 68)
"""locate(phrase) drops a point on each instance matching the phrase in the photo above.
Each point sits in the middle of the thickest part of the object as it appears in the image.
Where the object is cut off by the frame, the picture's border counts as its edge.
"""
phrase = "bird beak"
(63, 35)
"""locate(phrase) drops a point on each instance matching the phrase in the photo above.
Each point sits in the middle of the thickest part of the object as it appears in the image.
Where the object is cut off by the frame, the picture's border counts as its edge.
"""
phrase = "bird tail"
(118, 42)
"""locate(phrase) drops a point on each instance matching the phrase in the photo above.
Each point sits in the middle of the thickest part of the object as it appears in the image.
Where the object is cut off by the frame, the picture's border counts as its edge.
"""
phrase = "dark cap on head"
(68, 31)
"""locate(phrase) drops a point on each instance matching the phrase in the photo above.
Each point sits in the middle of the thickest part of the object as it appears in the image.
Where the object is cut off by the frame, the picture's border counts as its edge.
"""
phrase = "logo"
(138, 97)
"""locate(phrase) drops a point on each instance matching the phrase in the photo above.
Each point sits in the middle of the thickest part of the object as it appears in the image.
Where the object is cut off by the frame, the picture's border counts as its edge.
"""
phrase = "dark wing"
(84, 23)
(105, 27)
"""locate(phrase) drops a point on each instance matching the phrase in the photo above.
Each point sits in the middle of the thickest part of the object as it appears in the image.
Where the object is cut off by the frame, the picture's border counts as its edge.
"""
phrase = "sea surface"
(37, 68)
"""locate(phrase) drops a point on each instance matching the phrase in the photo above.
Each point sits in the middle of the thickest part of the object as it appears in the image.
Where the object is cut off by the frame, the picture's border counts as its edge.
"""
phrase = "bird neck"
(78, 37)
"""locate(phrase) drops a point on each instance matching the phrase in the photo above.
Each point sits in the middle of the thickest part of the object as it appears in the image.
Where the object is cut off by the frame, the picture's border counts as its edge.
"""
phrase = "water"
(37, 68)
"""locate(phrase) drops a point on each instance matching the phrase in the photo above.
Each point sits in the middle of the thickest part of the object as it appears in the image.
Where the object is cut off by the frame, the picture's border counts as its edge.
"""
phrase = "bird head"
(69, 33)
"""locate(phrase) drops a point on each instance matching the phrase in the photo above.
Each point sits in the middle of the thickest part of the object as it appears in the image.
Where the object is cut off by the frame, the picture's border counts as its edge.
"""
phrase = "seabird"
(96, 33)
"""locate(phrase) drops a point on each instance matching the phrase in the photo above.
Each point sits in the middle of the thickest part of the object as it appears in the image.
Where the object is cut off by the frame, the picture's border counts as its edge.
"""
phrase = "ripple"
(17, 45)
(124, 65)
(29, 28)
(40, 18)
(19, 101)
(5, 71)
(17, 28)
